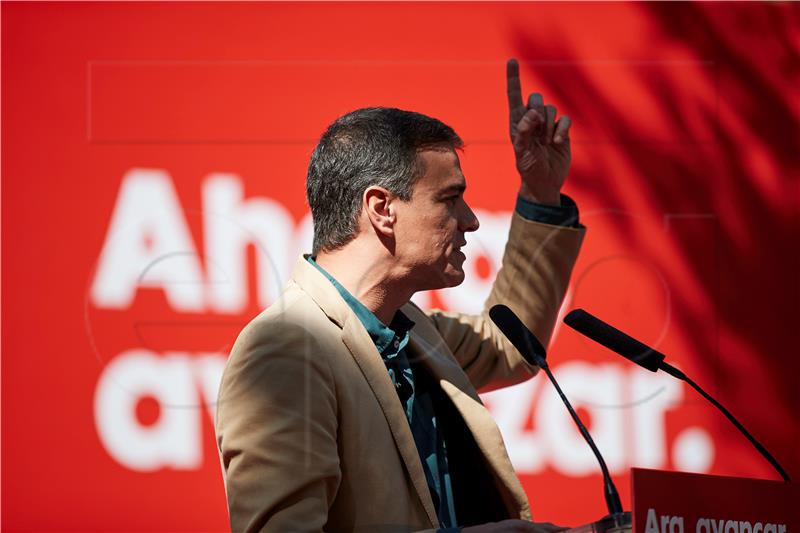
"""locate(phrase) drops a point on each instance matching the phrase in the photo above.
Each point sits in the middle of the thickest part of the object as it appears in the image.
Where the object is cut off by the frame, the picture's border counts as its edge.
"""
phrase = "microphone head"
(614, 339)
(518, 333)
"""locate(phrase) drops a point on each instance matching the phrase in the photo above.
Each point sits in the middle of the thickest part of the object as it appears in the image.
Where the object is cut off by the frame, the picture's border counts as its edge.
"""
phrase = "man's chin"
(454, 278)
(443, 280)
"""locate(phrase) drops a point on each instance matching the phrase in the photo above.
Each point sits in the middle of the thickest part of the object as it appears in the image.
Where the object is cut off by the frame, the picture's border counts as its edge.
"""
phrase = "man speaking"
(345, 407)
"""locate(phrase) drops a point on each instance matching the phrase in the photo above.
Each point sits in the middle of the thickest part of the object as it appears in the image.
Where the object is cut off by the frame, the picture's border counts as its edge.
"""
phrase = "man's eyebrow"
(456, 187)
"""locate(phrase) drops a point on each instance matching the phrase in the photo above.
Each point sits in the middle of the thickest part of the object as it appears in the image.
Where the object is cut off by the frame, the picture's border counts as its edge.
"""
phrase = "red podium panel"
(676, 502)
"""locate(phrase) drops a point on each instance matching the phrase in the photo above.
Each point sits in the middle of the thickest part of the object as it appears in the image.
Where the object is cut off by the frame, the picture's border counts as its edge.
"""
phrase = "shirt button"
(396, 343)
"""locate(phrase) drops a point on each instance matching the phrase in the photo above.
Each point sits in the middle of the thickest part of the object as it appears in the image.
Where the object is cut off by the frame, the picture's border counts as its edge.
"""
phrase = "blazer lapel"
(454, 382)
(366, 356)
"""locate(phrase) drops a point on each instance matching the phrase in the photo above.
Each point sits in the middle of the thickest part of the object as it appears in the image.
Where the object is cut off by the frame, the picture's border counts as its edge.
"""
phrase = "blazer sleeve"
(276, 427)
(533, 278)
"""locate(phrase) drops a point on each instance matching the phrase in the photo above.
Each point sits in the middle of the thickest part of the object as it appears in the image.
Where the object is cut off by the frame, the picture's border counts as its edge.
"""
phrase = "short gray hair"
(366, 147)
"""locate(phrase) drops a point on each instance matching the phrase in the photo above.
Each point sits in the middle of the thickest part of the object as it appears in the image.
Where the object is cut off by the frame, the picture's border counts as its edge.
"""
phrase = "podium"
(677, 502)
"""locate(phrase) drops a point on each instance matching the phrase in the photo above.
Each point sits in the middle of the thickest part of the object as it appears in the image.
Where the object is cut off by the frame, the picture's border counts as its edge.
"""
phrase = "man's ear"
(378, 204)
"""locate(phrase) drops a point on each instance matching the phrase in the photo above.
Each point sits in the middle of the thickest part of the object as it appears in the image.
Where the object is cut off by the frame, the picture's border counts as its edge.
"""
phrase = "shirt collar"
(389, 340)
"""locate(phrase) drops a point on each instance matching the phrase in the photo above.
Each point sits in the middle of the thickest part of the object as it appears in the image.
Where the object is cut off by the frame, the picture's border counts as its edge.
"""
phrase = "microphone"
(534, 353)
(646, 357)
(614, 339)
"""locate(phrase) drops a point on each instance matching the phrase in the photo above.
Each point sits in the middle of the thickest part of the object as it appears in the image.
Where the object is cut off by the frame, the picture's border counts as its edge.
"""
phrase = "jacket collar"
(320, 289)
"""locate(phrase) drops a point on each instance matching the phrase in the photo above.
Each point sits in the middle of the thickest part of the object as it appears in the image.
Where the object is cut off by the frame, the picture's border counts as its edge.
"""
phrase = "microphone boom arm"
(609, 489)
(674, 372)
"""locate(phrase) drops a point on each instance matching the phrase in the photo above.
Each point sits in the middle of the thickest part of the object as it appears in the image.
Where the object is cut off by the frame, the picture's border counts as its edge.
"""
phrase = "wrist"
(565, 215)
(552, 198)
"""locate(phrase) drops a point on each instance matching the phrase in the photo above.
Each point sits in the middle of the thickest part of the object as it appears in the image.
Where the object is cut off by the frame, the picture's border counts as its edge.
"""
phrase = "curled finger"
(536, 101)
(527, 129)
(562, 129)
(550, 123)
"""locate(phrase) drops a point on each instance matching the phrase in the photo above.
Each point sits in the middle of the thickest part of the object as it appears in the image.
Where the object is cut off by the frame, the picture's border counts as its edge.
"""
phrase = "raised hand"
(541, 142)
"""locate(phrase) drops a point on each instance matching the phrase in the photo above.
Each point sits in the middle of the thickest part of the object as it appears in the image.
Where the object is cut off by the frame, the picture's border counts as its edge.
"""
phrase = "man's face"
(430, 227)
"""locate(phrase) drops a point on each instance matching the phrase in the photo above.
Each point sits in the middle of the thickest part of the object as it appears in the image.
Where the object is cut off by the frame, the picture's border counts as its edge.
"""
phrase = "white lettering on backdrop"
(149, 244)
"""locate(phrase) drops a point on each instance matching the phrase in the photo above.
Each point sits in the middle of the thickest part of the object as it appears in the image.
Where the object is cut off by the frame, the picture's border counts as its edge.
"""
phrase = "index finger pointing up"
(513, 86)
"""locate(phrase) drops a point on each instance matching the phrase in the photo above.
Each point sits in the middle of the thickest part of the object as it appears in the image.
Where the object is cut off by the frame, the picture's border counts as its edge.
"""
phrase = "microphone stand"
(674, 372)
(617, 520)
(612, 496)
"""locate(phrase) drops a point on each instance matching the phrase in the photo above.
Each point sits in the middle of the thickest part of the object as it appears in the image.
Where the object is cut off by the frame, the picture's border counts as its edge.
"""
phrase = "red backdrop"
(153, 162)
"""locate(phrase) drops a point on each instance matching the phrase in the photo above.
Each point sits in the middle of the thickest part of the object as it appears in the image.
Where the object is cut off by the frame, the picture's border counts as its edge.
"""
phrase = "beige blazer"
(310, 430)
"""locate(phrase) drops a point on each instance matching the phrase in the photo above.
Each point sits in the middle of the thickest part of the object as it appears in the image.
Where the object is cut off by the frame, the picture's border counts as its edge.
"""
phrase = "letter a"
(652, 522)
(148, 244)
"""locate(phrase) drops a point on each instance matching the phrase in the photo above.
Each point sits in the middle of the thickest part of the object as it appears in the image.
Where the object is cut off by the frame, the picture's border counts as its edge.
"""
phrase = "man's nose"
(468, 220)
